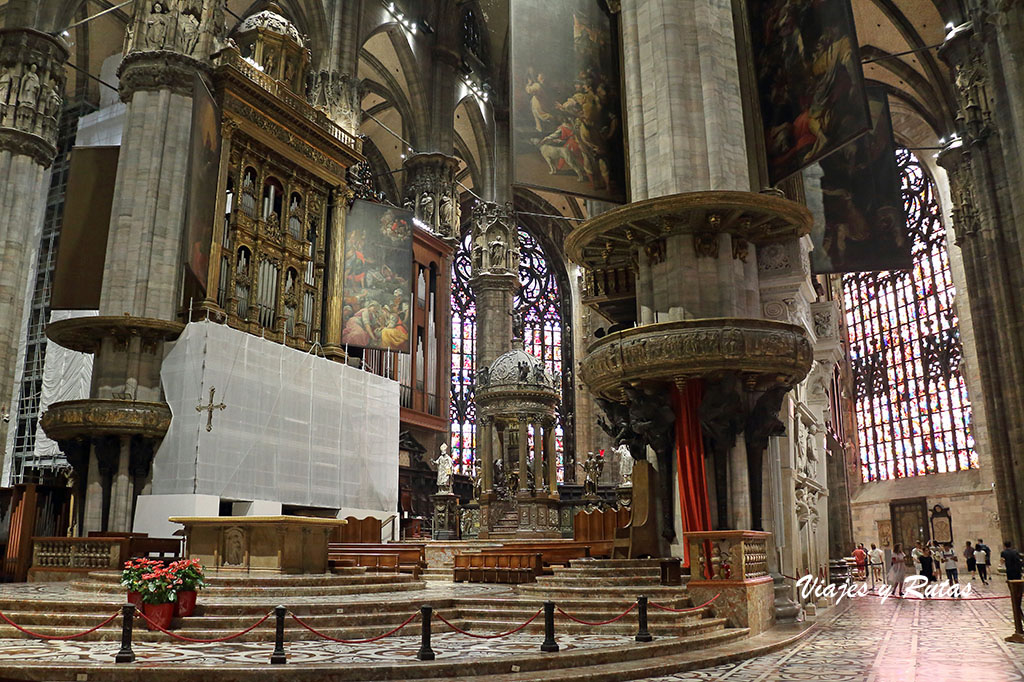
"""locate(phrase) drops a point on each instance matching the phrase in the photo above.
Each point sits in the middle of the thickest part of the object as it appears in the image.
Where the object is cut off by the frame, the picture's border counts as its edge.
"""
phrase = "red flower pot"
(161, 614)
(135, 598)
(186, 603)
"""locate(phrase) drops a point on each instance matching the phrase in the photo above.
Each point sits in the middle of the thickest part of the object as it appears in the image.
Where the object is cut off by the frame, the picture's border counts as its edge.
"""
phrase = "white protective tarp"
(296, 429)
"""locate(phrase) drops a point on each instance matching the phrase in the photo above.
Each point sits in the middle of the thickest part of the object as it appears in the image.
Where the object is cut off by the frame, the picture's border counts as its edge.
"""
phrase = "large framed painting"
(809, 80)
(377, 296)
(566, 103)
(204, 168)
(865, 226)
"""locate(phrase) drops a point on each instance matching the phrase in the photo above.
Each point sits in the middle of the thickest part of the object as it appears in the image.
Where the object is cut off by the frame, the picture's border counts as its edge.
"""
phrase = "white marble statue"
(444, 471)
(625, 466)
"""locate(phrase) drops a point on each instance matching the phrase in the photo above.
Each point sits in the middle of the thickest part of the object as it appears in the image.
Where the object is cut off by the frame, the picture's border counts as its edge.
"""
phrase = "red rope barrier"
(502, 634)
(893, 596)
(59, 637)
(603, 622)
(195, 640)
(350, 641)
(692, 608)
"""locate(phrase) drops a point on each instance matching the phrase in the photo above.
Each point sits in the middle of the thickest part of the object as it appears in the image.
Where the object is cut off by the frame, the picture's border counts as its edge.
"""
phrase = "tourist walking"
(927, 564)
(949, 563)
(876, 557)
(897, 569)
(860, 557)
(1012, 561)
(969, 556)
(981, 561)
(915, 555)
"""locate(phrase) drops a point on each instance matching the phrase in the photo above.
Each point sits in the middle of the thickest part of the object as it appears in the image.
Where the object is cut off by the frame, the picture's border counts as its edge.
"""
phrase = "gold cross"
(209, 410)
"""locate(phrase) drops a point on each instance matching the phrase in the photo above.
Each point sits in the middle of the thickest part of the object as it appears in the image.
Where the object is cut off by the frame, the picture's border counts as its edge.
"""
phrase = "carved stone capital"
(339, 95)
(159, 70)
(31, 92)
(956, 160)
(431, 192)
(95, 417)
(495, 240)
(195, 28)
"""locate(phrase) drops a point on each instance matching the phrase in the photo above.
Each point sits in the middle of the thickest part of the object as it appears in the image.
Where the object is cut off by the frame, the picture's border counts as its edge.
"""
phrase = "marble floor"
(894, 641)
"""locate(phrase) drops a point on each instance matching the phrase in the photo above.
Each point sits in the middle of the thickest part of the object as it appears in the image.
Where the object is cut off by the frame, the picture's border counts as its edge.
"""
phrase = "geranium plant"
(190, 573)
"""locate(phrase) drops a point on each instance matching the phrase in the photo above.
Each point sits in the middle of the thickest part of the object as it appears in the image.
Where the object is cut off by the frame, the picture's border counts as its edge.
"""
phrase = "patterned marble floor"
(904, 641)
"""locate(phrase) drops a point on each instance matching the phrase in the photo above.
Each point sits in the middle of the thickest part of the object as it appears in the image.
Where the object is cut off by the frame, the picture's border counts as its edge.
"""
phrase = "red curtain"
(693, 489)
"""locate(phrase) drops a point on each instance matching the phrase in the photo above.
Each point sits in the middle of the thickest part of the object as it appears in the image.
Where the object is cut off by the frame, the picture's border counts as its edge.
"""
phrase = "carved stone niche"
(32, 82)
(431, 192)
(495, 247)
(338, 95)
(194, 28)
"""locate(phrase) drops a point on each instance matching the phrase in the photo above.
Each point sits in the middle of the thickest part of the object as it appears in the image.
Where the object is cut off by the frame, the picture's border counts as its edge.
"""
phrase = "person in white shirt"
(915, 554)
(949, 563)
(876, 558)
(981, 559)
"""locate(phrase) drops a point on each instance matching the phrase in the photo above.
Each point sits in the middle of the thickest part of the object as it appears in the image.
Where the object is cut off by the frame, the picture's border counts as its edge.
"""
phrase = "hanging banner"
(566, 108)
(378, 277)
(204, 167)
(809, 80)
(865, 220)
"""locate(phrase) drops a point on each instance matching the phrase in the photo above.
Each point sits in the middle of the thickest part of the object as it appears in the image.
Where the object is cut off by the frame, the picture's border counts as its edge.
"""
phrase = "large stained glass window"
(538, 301)
(913, 415)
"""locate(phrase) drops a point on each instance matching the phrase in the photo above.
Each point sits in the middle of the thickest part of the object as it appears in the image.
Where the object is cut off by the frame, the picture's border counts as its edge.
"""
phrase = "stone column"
(121, 490)
(31, 95)
(431, 192)
(486, 441)
(93, 515)
(524, 445)
(739, 485)
(983, 162)
(495, 279)
(335, 278)
(538, 460)
(552, 457)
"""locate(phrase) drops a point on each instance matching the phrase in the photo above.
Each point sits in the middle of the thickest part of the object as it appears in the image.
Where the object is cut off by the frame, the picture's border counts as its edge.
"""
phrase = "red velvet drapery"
(693, 489)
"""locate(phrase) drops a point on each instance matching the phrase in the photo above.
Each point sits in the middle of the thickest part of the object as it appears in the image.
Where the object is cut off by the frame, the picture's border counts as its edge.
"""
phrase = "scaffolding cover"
(295, 428)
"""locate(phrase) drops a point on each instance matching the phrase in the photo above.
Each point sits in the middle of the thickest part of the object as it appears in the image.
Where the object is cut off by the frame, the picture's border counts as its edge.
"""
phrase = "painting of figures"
(865, 223)
(378, 277)
(566, 108)
(809, 80)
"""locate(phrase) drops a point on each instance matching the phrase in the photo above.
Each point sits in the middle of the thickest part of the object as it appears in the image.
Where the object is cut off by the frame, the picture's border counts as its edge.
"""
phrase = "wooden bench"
(410, 559)
(371, 561)
(552, 553)
(494, 567)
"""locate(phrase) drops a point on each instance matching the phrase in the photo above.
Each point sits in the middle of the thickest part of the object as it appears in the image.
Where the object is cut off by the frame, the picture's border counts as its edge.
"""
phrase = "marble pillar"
(739, 485)
(552, 458)
(31, 96)
(486, 454)
(121, 490)
(524, 444)
(495, 278)
(538, 460)
(431, 193)
(93, 514)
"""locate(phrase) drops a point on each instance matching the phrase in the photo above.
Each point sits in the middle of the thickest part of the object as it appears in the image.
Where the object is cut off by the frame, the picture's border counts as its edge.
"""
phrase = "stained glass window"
(540, 304)
(913, 414)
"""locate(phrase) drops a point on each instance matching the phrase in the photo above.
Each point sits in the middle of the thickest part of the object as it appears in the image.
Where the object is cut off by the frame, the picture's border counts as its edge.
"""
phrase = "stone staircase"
(507, 525)
(228, 605)
(595, 590)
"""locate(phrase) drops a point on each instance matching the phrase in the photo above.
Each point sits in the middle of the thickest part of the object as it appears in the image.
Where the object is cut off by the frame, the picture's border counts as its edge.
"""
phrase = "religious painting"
(809, 80)
(865, 226)
(378, 277)
(566, 109)
(204, 166)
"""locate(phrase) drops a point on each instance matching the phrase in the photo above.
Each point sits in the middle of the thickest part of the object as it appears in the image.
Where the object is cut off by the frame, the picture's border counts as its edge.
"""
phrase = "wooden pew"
(408, 558)
(371, 561)
(552, 553)
(497, 567)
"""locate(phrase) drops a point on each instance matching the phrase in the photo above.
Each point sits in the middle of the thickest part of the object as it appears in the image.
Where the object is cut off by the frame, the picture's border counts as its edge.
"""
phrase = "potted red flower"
(159, 596)
(189, 579)
(131, 577)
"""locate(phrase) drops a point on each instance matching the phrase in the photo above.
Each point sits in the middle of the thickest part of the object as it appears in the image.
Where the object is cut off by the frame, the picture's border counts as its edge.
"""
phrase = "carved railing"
(283, 93)
(79, 553)
(728, 554)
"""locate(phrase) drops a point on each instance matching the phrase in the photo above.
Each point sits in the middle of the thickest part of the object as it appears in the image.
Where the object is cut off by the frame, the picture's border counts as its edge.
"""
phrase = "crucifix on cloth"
(209, 409)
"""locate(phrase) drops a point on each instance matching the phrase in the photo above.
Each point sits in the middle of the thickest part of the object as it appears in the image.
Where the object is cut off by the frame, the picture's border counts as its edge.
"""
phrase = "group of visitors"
(931, 558)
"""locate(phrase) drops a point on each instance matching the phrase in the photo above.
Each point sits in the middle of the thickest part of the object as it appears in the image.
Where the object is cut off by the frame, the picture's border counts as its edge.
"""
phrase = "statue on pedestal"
(592, 470)
(625, 466)
(444, 471)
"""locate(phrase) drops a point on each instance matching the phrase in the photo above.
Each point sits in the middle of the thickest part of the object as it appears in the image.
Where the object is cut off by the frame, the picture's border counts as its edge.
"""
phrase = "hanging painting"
(378, 275)
(865, 226)
(566, 108)
(809, 80)
(204, 168)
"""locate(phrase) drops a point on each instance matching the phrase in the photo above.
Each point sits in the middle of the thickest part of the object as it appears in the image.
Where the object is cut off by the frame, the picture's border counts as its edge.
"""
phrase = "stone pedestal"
(446, 516)
(733, 565)
(538, 517)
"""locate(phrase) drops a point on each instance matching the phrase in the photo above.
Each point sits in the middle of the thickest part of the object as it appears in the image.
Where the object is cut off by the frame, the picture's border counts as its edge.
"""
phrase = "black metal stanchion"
(642, 635)
(126, 655)
(549, 628)
(279, 656)
(425, 653)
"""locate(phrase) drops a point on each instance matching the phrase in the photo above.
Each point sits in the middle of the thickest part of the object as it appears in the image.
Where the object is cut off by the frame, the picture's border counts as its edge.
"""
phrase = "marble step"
(265, 633)
(626, 626)
(628, 592)
(581, 603)
(342, 576)
(560, 580)
(584, 570)
(516, 616)
(369, 584)
(615, 563)
(198, 621)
